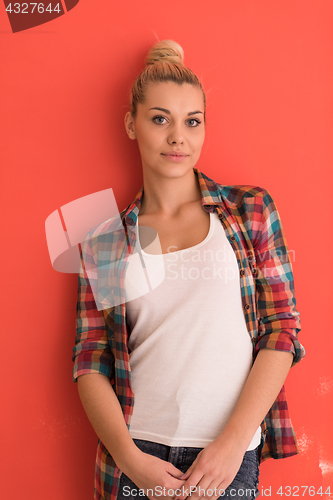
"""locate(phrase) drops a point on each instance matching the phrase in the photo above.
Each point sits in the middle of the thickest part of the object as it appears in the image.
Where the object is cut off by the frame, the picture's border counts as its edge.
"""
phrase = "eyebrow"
(167, 111)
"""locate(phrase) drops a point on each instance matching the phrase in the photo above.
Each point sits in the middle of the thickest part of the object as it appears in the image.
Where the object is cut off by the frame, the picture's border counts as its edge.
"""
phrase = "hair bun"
(165, 51)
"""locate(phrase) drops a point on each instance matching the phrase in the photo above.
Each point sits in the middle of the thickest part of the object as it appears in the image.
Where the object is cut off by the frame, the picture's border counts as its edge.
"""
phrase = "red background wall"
(267, 70)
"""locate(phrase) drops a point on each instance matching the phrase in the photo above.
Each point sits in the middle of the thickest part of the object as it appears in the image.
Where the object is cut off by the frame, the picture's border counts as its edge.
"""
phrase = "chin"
(177, 170)
(169, 169)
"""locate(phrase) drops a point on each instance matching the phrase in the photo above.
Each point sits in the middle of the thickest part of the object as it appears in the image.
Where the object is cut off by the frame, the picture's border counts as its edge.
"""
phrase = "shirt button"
(208, 206)
(242, 272)
(221, 216)
(255, 272)
(247, 306)
(232, 238)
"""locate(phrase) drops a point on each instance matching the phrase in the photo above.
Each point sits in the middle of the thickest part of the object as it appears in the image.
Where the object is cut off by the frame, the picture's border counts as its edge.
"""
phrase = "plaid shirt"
(253, 227)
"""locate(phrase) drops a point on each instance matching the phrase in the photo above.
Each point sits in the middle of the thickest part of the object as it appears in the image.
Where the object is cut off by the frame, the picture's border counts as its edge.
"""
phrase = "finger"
(192, 482)
(189, 471)
(209, 488)
(177, 486)
(213, 491)
(176, 475)
(173, 471)
(221, 489)
(204, 489)
(187, 490)
(196, 488)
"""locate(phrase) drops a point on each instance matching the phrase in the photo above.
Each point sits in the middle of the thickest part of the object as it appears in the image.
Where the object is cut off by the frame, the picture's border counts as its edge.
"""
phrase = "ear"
(130, 125)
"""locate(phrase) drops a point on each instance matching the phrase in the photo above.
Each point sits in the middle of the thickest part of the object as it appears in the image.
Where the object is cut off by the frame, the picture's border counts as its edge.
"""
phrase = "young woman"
(183, 382)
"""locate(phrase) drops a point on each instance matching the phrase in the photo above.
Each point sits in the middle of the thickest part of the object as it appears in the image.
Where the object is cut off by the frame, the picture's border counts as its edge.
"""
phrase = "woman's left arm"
(218, 463)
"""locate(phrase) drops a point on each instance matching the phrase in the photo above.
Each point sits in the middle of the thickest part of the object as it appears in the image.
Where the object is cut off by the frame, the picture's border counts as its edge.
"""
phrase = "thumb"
(174, 472)
(187, 473)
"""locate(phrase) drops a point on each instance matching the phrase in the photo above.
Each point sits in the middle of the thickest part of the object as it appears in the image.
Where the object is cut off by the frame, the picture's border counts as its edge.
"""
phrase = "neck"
(165, 196)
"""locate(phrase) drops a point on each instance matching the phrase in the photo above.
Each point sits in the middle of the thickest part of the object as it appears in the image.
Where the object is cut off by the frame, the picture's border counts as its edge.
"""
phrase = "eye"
(196, 121)
(158, 117)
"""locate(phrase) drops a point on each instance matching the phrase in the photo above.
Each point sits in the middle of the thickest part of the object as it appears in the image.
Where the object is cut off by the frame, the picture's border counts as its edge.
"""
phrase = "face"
(177, 126)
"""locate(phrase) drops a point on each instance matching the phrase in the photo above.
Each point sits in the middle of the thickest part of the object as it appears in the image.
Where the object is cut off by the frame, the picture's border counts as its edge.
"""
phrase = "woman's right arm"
(106, 417)
(93, 371)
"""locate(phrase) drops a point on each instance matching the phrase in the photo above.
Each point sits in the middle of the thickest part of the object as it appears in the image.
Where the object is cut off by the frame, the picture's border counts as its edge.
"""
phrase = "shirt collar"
(210, 195)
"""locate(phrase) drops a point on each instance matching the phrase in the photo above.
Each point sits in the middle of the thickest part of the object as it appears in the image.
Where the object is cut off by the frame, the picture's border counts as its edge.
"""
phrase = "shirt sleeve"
(92, 352)
(279, 322)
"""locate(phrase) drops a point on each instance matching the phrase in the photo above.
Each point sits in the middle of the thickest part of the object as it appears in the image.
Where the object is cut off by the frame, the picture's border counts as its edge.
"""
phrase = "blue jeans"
(244, 485)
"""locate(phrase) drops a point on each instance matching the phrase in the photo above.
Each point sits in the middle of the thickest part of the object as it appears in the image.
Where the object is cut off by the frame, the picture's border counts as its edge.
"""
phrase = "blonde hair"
(164, 63)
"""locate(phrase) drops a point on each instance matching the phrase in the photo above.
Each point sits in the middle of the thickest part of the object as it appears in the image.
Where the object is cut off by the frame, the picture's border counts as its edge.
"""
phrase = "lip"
(176, 158)
(174, 153)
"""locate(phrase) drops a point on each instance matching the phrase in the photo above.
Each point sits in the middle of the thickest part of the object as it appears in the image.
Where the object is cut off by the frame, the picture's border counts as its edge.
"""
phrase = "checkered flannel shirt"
(253, 227)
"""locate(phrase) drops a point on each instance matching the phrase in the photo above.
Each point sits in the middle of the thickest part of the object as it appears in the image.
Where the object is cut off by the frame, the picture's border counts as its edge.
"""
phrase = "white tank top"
(190, 351)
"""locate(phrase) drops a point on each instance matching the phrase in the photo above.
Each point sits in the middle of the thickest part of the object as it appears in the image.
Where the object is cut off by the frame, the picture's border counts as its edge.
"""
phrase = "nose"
(176, 135)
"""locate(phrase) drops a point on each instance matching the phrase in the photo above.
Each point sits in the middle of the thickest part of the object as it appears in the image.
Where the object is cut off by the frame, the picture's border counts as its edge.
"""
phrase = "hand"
(159, 476)
(213, 470)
